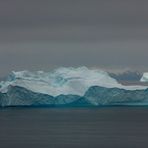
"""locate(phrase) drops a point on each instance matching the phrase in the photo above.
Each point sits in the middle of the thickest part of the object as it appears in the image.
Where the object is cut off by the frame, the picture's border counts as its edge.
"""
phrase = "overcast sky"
(43, 34)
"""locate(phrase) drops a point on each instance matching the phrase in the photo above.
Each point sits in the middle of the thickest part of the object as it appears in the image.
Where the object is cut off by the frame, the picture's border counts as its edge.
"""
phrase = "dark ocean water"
(107, 127)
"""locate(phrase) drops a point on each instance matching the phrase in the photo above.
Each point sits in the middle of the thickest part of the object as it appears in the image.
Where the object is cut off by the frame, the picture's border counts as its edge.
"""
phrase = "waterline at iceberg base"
(68, 87)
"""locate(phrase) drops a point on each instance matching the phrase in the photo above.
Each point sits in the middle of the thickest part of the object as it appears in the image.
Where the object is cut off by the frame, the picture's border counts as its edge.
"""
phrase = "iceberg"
(144, 77)
(68, 87)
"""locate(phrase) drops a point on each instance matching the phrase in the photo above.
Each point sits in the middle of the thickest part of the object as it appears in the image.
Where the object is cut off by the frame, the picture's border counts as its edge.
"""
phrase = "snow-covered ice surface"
(61, 81)
(68, 85)
(75, 81)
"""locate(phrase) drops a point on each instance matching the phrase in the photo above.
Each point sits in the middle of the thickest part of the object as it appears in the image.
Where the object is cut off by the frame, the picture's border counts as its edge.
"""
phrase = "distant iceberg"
(68, 87)
(144, 77)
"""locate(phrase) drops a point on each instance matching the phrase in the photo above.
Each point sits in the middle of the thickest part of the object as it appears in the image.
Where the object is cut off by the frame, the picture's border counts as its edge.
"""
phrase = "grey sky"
(42, 34)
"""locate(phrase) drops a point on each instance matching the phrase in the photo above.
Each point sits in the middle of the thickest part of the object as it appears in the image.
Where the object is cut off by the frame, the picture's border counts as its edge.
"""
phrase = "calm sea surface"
(108, 127)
